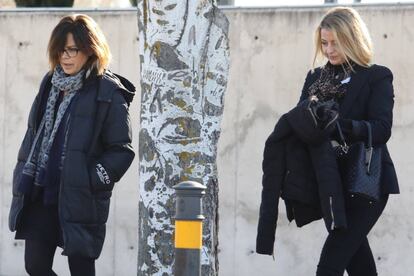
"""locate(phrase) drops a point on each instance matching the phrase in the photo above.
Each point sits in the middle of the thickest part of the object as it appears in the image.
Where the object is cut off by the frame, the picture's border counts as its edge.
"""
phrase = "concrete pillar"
(225, 2)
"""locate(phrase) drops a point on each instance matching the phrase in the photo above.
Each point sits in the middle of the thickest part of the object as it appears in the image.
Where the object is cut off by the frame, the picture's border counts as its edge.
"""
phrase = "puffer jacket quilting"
(83, 202)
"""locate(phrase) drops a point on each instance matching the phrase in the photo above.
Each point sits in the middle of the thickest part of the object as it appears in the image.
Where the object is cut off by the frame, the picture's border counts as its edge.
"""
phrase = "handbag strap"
(343, 146)
(368, 145)
(368, 148)
(369, 131)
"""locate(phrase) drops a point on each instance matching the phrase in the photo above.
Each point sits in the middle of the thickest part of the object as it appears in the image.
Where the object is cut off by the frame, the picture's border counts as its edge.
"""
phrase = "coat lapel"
(358, 79)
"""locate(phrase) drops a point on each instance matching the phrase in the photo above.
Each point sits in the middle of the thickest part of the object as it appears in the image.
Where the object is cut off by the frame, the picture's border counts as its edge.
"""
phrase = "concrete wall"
(271, 51)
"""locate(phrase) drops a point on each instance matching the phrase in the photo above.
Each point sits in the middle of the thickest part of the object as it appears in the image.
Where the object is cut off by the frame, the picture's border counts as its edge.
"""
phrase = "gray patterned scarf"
(35, 167)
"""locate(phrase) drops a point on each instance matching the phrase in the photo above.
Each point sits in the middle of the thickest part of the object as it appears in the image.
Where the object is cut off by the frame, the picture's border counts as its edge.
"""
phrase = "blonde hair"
(88, 37)
(351, 35)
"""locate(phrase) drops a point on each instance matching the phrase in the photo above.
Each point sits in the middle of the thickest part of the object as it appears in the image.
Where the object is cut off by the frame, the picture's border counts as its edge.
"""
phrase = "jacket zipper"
(332, 214)
(286, 175)
(72, 108)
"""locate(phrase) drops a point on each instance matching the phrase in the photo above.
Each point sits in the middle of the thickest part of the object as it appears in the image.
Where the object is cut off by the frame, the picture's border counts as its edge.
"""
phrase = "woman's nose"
(330, 49)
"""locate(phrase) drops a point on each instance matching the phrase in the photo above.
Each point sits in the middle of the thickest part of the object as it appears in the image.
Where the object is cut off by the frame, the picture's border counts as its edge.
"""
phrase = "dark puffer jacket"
(300, 166)
(98, 153)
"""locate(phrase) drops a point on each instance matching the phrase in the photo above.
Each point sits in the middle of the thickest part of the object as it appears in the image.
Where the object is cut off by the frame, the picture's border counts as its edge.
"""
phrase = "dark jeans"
(349, 249)
(38, 257)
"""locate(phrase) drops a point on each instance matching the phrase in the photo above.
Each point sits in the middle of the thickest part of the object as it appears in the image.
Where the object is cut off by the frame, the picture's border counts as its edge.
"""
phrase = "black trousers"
(349, 249)
(38, 257)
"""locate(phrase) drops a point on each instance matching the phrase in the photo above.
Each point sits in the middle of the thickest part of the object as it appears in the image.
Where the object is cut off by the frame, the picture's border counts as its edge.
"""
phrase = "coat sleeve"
(273, 175)
(118, 153)
(34, 119)
(310, 78)
(379, 108)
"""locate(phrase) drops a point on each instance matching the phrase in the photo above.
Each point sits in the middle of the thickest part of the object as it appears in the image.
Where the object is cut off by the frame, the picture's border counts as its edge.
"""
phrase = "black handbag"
(361, 163)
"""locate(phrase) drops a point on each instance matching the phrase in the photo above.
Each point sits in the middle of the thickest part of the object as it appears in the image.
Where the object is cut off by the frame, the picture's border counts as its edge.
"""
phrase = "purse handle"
(368, 149)
(368, 145)
(344, 146)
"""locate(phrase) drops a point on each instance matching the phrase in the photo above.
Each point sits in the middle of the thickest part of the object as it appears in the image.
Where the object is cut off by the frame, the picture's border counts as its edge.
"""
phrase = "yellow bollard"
(188, 228)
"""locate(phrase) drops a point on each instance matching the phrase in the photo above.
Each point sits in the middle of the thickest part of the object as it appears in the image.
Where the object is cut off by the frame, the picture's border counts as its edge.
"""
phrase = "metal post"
(188, 228)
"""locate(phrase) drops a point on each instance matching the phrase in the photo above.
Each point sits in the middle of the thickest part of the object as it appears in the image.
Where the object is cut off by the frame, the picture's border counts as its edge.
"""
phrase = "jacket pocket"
(78, 205)
(102, 204)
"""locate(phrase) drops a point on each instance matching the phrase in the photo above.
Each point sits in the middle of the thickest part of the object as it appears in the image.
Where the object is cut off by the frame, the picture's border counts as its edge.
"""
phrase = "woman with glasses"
(361, 92)
(77, 145)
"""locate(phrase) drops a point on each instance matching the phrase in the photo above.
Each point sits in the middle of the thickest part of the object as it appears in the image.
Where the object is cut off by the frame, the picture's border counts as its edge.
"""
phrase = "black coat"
(99, 140)
(369, 97)
(300, 166)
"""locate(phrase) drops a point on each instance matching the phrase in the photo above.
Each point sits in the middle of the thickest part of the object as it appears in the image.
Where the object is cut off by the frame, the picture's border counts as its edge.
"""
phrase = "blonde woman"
(77, 145)
(361, 91)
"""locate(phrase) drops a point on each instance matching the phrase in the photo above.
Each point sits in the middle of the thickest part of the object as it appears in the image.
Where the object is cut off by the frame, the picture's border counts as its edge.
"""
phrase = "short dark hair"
(88, 38)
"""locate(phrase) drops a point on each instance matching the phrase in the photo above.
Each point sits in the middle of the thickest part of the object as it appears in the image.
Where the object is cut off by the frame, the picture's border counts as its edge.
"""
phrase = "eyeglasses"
(70, 52)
